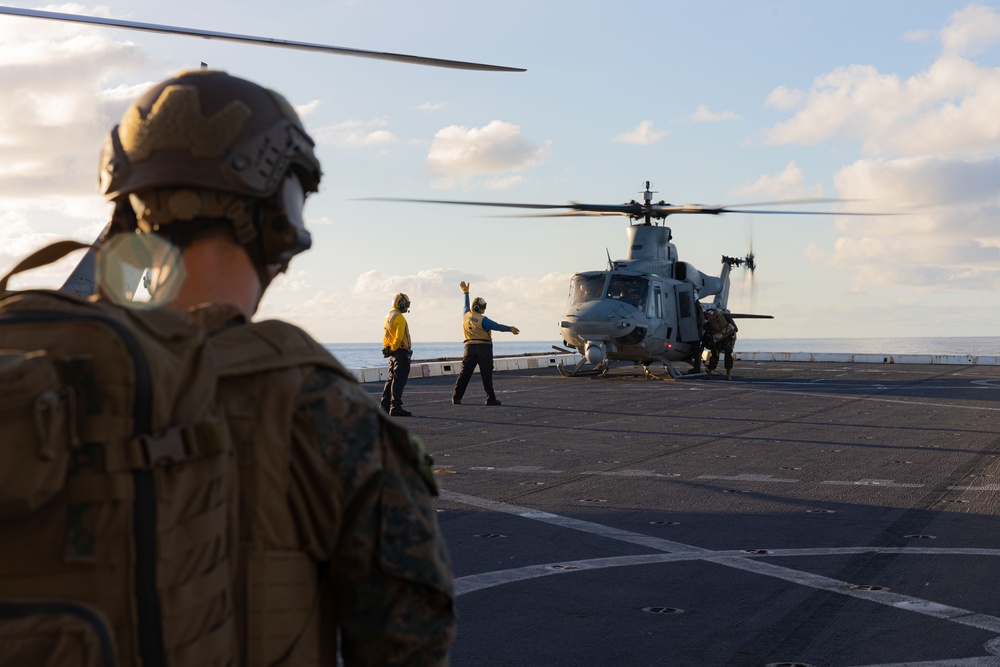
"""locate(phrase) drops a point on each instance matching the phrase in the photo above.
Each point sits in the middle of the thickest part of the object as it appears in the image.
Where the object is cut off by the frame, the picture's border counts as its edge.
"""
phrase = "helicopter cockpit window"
(630, 289)
(586, 288)
(655, 304)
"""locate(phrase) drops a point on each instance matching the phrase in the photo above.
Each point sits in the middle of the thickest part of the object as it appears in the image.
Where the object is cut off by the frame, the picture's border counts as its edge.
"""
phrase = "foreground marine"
(313, 534)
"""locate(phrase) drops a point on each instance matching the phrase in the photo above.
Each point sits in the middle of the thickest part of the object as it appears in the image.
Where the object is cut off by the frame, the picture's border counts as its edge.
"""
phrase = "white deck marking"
(869, 399)
(876, 482)
(677, 551)
(744, 477)
(989, 661)
(749, 478)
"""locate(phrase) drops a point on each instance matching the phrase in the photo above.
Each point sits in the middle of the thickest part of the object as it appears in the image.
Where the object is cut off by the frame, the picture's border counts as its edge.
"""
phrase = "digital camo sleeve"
(389, 572)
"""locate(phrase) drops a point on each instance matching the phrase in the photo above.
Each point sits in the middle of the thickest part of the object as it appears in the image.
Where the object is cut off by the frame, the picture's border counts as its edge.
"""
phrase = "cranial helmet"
(479, 304)
(401, 302)
(207, 146)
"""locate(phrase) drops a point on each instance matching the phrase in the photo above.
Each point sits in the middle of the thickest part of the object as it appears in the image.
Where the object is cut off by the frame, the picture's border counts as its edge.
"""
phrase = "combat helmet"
(206, 146)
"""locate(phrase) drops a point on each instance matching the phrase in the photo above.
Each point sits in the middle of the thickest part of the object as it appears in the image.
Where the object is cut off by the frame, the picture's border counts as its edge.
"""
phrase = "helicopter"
(650, 306)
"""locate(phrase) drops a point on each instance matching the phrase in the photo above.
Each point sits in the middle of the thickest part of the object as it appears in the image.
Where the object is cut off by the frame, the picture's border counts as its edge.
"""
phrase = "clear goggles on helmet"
(291, 200)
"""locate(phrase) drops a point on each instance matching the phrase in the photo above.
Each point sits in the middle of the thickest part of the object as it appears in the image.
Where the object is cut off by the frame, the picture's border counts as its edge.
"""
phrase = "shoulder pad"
(258, 347)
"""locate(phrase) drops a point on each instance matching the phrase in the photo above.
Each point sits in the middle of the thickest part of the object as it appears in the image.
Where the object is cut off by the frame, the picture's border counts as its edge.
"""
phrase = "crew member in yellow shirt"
(478, 331)
(396, 346)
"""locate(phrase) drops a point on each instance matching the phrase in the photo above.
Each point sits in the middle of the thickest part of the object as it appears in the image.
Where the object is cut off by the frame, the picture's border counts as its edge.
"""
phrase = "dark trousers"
(725, 348)
(478, 354)
(399, 371)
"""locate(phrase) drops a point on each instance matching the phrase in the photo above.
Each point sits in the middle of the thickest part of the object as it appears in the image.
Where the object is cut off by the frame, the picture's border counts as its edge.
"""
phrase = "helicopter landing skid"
(577, 371)
(673, 373)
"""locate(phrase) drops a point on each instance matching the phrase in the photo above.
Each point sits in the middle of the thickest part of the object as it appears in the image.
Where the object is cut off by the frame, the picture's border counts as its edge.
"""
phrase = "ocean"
(369, 355)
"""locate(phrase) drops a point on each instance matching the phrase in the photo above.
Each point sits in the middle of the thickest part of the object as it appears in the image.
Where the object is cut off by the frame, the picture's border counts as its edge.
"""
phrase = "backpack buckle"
(164, 448)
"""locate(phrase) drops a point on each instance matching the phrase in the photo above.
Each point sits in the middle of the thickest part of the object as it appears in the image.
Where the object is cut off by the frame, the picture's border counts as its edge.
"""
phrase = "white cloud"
(307, 109)
(64, 88)
(789, 184)
(431, 106)
(356, 133)
(947, 109)
(458, 153)
(640, 135)
(918, 36)
(946, 237)
(784, 97)
(925, 181)
(971, 30)
(931, 141)
(533, 304)
(703, 115)
(502, 182)
(61, 96)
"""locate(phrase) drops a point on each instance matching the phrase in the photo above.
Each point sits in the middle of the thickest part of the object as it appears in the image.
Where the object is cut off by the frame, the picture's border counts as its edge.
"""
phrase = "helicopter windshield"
(630, 289)
(586, 287)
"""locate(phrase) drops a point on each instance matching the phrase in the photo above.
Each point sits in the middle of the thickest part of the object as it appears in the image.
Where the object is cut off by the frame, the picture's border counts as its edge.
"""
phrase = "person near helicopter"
(397, 347)
(478, 330)
(719, 338)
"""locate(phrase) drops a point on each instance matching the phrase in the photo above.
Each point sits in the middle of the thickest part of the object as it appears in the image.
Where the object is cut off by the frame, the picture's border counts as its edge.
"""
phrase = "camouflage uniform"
(339, 481)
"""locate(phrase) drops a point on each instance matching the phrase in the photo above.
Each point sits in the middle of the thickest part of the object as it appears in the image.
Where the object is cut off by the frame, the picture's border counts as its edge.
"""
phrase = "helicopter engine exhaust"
(595, 352)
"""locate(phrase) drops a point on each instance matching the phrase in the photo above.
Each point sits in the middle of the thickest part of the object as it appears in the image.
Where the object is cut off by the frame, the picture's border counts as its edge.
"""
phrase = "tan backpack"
(116, 486)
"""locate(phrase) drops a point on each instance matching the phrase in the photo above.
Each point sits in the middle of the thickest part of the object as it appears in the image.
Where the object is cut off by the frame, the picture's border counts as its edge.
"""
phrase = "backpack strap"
(42, 257)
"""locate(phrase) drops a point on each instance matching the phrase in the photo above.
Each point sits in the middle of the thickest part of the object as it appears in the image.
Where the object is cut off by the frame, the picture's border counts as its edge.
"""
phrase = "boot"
(729, 374)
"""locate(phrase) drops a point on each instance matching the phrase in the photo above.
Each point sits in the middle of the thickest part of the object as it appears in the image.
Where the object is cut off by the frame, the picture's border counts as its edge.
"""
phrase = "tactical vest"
(473, 328)
(389, 333)
(262, 367)
(116, 487)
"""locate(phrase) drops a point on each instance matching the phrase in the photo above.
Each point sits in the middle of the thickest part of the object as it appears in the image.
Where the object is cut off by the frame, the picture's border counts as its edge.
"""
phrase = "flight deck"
(802, 514)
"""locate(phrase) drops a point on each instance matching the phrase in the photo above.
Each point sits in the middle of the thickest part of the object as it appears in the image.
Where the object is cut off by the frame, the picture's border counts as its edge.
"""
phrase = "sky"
(890, 104)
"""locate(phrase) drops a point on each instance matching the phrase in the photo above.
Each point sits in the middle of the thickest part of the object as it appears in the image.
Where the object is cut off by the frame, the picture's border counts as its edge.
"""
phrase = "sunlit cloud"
(930, 142)
(62, 93)
(945, 237)
(971, 30)
(431, 106)
(458, 153)
(918, 36)
(703, 115)
(307, 109)
(642, 134)
(788, 184)
(356, 133)
(532, 303)
(947, 109)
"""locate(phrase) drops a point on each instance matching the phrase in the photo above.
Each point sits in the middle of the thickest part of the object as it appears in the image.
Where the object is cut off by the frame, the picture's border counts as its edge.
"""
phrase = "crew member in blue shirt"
(478, 331)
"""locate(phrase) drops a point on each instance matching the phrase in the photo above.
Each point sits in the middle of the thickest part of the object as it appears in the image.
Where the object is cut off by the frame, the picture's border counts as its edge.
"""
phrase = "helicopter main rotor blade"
(663, 210)
(788, 202)
(742, 210)
(566, 214)
(633, 209)
(267, 41)
(462, 203)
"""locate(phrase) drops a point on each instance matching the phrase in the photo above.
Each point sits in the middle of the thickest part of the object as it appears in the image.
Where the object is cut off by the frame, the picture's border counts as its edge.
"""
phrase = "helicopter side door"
(687, 314)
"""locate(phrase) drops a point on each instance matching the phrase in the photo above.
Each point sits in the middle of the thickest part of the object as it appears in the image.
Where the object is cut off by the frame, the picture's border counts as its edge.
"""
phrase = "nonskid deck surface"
(816, 514)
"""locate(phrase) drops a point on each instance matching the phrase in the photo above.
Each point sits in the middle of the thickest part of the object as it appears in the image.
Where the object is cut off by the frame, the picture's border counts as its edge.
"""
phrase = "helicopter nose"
(595, 352)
